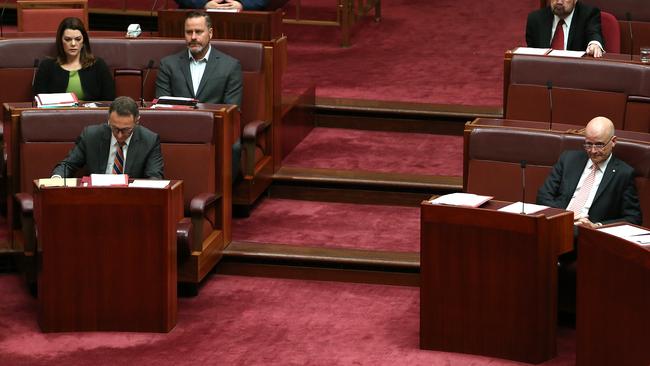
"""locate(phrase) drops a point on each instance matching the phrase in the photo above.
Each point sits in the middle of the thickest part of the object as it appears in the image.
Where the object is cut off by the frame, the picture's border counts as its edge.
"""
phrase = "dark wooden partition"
(613, 298)
(246, 25)
(488, 280)
(108, 258)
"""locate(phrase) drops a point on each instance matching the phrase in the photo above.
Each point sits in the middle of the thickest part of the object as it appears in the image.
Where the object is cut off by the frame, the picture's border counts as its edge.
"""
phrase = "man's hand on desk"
(595, 50)
(225, 4)
(584, 221)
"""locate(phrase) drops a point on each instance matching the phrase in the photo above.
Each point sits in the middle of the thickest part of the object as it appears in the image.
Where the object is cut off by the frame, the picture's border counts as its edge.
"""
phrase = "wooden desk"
(108, 258)
(348, 13)
(613, 300)
(488, 280)
(246, 25)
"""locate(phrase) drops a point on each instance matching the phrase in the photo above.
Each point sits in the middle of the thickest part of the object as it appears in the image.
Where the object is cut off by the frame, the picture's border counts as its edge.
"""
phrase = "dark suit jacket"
(221, 82)
(96, 80)
(615, 200)
(585, 27)
(143, 158)
(200, 4)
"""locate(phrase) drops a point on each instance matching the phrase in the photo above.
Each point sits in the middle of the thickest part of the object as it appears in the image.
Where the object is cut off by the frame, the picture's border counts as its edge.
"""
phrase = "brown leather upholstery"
(493, 158)
(620, 91)
(189, 146)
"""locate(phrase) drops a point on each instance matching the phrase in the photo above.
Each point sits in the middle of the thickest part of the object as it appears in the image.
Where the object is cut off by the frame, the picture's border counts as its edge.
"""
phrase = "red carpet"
(331, 225)
(439, 52)
(250, 321)
(378, 151)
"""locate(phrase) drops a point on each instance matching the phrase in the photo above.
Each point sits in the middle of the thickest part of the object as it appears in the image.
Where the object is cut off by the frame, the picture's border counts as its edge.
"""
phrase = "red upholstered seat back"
(611, 32)
(45, 15)
(46, 20)
(617, 90)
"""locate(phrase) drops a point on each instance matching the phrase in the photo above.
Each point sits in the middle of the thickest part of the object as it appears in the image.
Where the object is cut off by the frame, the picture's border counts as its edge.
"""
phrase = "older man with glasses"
(594, 184)
(120, 146)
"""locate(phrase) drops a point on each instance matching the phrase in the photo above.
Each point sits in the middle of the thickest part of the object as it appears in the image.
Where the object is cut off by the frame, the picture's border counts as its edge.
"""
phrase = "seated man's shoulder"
(97, 129)
(173, 56)
(147, 133)
(540, 13)
(224, 56)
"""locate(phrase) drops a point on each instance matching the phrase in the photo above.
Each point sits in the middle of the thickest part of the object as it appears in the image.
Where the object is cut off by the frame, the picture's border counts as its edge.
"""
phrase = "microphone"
(36, 63)
(65, 171)
(628, 16)
(549, 86)
(523, 187)
(144, 81)
(151, 16)
(2, 17)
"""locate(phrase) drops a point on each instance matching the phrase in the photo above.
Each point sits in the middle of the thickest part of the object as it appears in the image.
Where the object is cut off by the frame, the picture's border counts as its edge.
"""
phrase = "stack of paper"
(461, 199)
(102, 180)
(56, 100)
(174, 102)
(628, 232)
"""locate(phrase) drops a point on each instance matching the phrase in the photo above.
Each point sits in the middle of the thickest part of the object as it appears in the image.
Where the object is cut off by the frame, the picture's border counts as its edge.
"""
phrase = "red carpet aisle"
(331, 225)
(437, 52)
(410, 153)
(250, 321)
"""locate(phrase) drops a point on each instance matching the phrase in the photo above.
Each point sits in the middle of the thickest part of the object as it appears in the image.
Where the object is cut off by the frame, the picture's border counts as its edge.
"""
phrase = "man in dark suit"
(575, 24)
(98, 147)
(593, 183)
(202, 72)
(223, 4)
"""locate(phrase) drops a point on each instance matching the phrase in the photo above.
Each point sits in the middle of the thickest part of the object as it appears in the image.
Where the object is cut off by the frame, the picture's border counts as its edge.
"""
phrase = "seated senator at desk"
(75, 68)
(202, 72)
(593, 183)
(223, 4)
(566, 25)
(119, 146)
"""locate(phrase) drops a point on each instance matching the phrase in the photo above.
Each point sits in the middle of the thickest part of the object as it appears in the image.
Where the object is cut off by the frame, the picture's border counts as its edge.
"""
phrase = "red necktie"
(118, 163)
(558, 37)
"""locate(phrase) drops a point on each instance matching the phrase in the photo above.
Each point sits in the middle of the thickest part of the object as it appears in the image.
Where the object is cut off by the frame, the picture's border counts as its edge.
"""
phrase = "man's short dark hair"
(124, 106)
(200, 14)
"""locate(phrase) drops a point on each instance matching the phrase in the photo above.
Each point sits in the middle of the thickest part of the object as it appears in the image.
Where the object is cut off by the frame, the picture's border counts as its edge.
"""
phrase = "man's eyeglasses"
(597, 145)
(125, 131)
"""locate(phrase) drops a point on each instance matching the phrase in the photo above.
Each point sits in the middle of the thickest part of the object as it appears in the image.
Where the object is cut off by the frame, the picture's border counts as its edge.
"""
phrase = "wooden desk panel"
(108, 258)
(488, 280)
(613, 300)
(246, 25)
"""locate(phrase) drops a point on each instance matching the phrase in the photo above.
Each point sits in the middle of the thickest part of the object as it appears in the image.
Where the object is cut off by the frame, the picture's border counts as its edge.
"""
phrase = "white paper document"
(149, 183)
(57, 182)
(628, 232)
(529, 208)
(103, 180)
(563, 53)
(461, 199)
(222, 10)
(531, 51)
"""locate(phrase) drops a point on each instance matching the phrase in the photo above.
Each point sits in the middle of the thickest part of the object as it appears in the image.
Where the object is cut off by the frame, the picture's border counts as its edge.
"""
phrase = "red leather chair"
(611, 32)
